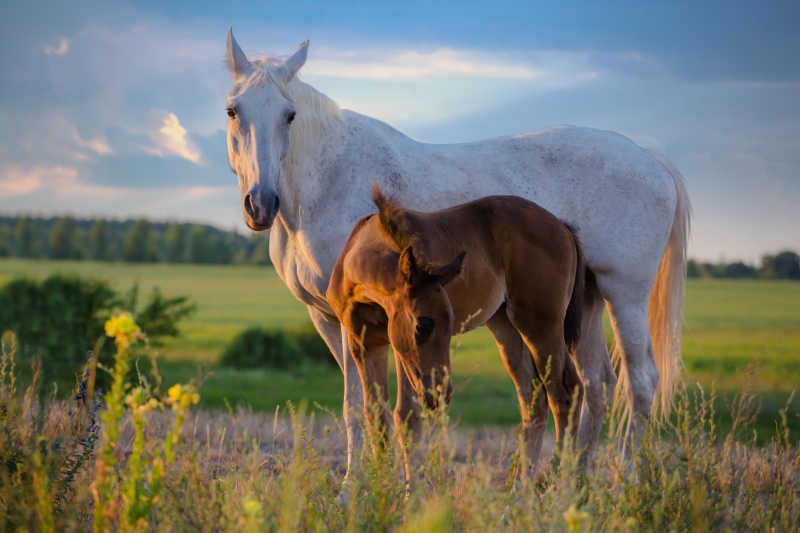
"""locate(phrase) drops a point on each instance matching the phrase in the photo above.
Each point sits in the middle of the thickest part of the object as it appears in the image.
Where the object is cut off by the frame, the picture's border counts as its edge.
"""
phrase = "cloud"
(59, 49)
(205, 192)
(173, 140)
(98, 145)
(416, 64)
(545, 68)
(61, 190)
(412, 87)
(17, 181)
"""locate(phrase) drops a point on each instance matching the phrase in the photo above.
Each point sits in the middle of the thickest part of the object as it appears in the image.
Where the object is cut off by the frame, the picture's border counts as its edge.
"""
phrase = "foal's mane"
(395, 223)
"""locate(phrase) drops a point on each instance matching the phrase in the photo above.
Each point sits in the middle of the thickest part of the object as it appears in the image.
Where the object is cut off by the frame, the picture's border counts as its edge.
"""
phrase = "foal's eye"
(424, 330)
(290, 117)
(231, 112)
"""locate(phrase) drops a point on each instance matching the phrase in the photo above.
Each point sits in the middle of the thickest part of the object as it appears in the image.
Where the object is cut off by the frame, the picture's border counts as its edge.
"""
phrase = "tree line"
(132, 240)
(783, 265)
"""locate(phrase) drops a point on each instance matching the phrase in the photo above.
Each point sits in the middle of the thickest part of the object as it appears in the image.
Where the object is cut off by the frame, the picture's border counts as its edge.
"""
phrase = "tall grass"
(172, 469)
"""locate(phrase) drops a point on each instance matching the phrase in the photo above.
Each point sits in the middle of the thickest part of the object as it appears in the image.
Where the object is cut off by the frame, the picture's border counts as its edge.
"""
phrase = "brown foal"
(413, 279)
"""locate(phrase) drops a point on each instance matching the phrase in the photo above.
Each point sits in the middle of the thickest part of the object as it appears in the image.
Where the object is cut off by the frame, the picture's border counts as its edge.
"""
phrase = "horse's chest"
(303, 277)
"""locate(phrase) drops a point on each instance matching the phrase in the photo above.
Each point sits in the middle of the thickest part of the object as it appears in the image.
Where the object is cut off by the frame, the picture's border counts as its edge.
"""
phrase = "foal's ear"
(447, 273)
(294, 63)
(408, 269)
(417, 275)
(237, 62)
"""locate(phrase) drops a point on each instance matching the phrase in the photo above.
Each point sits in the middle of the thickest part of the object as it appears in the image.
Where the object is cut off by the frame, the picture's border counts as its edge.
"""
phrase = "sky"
(117, 109)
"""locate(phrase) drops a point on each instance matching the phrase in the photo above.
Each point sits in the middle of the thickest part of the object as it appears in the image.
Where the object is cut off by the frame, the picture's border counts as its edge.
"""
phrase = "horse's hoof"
(344, 494)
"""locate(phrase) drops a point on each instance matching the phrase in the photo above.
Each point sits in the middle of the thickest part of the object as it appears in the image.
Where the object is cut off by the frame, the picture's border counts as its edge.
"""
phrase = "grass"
(156, 465)
(728, 326)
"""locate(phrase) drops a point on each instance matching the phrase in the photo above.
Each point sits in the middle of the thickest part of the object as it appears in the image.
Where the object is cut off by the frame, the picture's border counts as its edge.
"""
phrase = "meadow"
(737, 333)
(238, 463)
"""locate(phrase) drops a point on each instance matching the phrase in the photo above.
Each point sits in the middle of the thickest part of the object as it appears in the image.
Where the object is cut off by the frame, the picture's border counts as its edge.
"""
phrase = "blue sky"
(117, 109)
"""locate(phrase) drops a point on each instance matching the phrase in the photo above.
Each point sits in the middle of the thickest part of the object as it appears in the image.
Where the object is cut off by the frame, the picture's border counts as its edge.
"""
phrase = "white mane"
(317, 115)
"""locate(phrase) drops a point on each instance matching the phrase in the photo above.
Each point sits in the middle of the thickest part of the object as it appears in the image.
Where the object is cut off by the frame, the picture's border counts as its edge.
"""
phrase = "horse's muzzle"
(260, 208)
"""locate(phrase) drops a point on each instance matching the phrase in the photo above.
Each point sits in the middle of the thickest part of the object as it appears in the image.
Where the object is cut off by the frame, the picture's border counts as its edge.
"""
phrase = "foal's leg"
(372, 363)
(544, 337)
(519, 363)
(597, 374)
(335, 337)
(406, 419)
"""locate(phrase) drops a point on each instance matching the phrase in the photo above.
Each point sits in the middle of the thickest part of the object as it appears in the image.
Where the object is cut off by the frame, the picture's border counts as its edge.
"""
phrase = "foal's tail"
(572, 320)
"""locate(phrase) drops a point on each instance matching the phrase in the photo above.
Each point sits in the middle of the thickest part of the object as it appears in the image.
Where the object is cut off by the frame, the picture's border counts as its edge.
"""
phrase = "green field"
(728, 326)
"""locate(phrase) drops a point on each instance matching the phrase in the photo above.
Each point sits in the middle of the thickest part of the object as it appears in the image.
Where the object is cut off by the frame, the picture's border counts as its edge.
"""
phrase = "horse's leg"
(545, 339)
(594, 367)
(331, 332)
(628, 311)
(519, 363)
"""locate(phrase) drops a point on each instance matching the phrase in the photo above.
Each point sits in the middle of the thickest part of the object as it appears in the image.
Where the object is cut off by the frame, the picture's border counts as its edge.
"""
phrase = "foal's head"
(421, 324)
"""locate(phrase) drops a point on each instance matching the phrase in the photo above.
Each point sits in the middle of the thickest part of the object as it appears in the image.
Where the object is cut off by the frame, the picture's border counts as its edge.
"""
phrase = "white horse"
(305, 170)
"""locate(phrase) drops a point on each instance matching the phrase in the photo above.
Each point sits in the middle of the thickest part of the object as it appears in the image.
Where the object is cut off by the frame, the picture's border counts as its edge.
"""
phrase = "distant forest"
(133, 241)
(142, 241)
(783, 265)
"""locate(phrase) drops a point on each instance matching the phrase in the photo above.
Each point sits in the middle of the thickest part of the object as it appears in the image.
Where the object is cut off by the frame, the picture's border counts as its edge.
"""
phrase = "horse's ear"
(237, 62)
(293, 64)
(407, 268)
(447, 273)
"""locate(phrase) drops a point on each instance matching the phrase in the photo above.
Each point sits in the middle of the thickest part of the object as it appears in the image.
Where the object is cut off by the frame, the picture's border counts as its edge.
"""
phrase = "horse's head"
(421, 324)
(260, 116)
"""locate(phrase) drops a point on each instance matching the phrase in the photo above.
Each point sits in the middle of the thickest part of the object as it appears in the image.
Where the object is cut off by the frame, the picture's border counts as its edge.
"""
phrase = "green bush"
(312, 347)
(160, 316)
(60, 319)
(258, 347)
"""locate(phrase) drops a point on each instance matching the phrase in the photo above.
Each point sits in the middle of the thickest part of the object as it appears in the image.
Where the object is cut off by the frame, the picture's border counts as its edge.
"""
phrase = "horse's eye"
(231, 112)
(290, 117)
(424, 330)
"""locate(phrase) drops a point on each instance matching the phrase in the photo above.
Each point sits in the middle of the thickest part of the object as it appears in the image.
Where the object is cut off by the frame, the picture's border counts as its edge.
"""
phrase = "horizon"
(117, 110)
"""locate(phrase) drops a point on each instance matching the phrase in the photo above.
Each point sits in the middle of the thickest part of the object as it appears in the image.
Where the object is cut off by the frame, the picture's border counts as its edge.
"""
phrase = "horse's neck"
(304, 181)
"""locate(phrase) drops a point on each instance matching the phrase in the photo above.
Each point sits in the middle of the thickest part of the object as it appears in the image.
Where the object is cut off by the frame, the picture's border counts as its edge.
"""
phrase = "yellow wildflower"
(182, 396)
(123, 329)
(174, 392)
(575, 519)
(252, 506)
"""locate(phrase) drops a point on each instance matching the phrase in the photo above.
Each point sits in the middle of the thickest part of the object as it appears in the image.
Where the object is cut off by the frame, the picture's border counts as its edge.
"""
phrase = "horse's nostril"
(277, 204)
(248, 205)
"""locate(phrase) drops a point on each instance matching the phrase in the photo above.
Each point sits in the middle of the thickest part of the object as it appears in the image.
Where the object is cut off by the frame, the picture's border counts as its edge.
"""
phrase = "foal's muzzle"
(260, 208)
(431, 395)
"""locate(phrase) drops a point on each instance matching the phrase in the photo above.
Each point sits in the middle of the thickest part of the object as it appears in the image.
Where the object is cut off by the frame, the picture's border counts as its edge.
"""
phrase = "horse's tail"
(572, 320)
(666, 298)
(666, 307)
